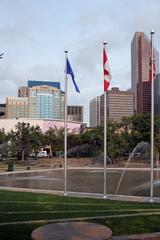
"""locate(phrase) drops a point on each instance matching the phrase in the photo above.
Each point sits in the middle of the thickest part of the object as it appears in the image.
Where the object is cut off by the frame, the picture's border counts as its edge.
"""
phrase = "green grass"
(13, 232)
(132, 225)
(18, 206)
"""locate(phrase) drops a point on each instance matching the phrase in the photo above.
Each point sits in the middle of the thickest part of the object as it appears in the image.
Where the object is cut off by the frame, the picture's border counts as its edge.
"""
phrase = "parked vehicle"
(41, 154)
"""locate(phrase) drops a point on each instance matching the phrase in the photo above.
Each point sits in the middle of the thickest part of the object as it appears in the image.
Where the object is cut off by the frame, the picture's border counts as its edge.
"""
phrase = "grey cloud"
(16, 34)
(11, 78)
(122, 80)
(8, 88)
(42, 72)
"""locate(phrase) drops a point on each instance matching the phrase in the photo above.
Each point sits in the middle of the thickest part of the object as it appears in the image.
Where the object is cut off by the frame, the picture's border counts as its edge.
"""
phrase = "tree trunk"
(22, 155)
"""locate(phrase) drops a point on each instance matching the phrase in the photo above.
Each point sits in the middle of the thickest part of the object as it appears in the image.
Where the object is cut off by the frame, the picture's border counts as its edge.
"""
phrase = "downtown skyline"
(35, 34)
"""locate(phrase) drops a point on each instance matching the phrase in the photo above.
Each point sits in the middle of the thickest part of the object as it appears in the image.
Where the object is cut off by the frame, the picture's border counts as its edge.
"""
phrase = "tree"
(19, 139)
(55, 138)
(36, 139)
(157, 138)
(136, 129)
(142, 125)
(24, 139)
(117, 144)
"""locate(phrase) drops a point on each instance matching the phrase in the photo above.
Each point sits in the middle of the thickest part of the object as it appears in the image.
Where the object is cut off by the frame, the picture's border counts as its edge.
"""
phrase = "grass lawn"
(119, 216)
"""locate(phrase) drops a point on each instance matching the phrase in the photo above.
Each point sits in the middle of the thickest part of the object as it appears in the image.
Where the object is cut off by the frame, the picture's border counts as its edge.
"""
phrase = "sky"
(35, 33)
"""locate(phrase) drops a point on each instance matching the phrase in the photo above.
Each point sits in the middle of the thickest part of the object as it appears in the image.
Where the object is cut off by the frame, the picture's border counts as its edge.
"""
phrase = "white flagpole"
(65, 129)
(105, 135)
(152, 120)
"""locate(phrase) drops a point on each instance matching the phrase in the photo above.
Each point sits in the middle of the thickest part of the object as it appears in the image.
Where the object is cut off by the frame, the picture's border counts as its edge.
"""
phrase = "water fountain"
(135, 179)
(141, 150)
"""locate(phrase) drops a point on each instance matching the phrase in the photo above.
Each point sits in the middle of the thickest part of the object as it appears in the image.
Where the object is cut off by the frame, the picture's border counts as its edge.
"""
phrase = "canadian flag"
(150, 67)
(107, 75)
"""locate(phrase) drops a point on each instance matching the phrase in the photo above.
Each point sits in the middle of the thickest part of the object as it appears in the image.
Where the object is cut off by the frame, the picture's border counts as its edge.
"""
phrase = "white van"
(42, 154)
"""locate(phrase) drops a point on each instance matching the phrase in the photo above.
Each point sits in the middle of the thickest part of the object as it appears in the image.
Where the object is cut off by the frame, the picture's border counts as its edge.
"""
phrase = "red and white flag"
(150, 68)
(107, 74)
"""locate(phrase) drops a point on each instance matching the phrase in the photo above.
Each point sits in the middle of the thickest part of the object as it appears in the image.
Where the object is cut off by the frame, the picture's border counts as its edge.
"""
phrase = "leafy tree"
(19, 139)
(157, 138)
(55, 138)
(73, 140)
(117, 144)
(142, 125)
(24, 139)
(36, 139)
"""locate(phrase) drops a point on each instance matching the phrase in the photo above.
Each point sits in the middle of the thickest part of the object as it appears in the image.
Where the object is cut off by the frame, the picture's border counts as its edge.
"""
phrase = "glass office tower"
(44, 102)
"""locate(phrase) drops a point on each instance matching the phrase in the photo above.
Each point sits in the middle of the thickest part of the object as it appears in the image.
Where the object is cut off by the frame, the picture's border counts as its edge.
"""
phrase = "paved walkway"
(80, 219)
(81, 194)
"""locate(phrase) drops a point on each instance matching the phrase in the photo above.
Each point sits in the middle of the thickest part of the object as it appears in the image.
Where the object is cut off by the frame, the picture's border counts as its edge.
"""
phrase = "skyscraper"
(157, 94)
(119, 104)
(140, 69)
(41, 100)
(95, 112)
(44, 102)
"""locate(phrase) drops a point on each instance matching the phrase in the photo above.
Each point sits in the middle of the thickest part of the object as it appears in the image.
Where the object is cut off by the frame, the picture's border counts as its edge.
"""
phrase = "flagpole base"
(151, 200)
(65, 194)
(104, 196)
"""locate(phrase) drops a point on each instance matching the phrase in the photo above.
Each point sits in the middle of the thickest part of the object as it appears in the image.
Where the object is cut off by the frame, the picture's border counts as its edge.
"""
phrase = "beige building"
(119, 104)
(16, 107)
(95, 112)
(75, 113)
(41, 100)
(23, 92)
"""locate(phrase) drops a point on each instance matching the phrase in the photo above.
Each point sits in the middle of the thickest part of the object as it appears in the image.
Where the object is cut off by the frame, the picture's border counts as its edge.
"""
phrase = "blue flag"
(69, 71)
